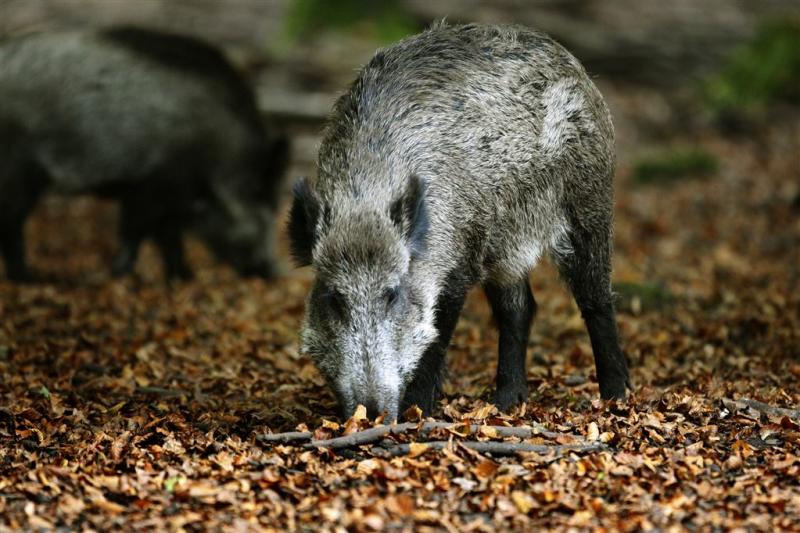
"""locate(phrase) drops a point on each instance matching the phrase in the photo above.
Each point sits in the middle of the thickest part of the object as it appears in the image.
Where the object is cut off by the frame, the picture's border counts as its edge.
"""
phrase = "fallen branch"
(497, 448)
(372, 435)
(761, 407)
(285, 438)
(367, 436)
(502, 431)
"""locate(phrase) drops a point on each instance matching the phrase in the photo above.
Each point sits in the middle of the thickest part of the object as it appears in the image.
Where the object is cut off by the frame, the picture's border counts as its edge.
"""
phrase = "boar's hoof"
(511, 395)
(613, 391)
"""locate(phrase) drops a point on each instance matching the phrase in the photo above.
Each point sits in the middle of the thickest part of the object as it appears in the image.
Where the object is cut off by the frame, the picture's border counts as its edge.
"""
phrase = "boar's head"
(367, 320)
(236, 214)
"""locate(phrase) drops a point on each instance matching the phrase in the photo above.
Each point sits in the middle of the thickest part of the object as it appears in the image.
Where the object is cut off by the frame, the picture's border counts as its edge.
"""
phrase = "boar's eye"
(390, 296)
(335, 301)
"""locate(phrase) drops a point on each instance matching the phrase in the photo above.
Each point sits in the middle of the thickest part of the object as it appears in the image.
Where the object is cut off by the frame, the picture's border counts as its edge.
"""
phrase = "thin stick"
(498, 448)
(424, 429)
(502, 431)
(284, 438)
(368, 436)
(371, 435)
(761, 407)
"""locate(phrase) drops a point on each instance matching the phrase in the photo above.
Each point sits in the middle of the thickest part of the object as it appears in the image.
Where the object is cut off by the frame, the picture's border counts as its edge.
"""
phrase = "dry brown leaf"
(413, 414)
(592, 433)
(523, 501)
(485, 469)
(329, 424)
(416, 449)
(480, 413)
(368, 466)
(400, 504)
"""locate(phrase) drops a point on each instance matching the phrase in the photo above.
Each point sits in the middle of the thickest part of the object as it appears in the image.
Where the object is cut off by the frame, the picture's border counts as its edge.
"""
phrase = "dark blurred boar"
(458, 157)
(161, 122)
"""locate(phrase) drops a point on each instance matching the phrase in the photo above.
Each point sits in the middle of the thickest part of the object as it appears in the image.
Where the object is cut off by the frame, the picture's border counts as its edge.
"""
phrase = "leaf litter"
(131, 405)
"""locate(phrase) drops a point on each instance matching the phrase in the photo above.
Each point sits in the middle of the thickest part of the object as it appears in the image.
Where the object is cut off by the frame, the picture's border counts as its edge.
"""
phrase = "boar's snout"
(377, 400)
(241, 234)
(374, 408)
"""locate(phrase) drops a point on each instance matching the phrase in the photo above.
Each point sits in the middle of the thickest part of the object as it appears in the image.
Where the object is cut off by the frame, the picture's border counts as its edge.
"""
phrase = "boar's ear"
(410, 214)
(302, 222)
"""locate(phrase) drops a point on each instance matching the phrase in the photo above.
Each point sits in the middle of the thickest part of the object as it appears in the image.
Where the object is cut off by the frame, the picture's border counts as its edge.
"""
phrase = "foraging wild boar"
(458, 156)
(161, 122)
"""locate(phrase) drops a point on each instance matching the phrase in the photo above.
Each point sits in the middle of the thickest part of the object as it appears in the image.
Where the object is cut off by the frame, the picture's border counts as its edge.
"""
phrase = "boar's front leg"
(426, 386)
(139, 219)
(169, 239)
(513, 308)
(132, 231)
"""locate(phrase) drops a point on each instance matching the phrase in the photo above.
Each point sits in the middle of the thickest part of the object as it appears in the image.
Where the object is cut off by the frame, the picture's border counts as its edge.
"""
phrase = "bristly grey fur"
(162, 122)
(514, 148)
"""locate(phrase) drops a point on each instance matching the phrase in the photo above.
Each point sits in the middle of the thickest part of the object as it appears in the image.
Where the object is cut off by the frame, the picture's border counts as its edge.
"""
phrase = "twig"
(499, 448)
(284, 438)
(502, 431)
(372, 435)
(368, 436)
(761, 407)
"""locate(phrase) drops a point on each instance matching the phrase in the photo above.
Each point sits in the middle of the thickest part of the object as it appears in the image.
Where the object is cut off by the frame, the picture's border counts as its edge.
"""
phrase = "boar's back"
(195, 57)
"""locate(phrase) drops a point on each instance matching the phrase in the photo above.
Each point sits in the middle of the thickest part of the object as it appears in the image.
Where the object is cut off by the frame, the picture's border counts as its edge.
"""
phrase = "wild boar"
(161, 122)
(458, 157)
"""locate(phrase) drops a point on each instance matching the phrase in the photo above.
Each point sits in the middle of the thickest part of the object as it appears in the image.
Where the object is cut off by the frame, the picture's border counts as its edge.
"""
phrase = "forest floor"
(129, 404)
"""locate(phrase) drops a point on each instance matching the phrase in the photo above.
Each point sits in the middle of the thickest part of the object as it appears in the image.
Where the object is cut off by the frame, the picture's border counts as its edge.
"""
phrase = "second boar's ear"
(303, 222)
(410, 214)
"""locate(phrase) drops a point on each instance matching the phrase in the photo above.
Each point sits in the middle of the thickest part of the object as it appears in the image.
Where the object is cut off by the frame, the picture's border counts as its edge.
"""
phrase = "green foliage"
(673, 165)
(763, 72)
(638, 297)
(385, 21)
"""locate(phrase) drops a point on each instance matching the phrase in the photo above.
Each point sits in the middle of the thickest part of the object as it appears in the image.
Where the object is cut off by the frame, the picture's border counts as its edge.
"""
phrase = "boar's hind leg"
(513, 308)
(21, 183)
(427, 383)
(13, 246)
(587, 271)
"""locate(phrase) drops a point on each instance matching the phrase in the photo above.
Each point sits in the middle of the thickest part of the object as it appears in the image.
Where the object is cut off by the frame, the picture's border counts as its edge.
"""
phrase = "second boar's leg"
(132, 231)
(169, 239)
(21, 183)
(13, 245)
(513, 308)
(587, 271)
(426, 386)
